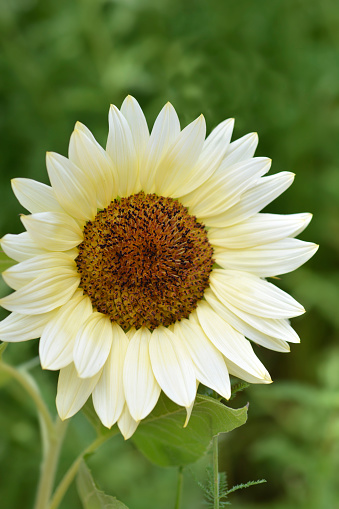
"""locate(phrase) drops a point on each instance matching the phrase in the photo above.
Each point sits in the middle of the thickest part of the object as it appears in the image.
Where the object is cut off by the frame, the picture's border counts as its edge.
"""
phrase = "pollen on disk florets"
(145, 261)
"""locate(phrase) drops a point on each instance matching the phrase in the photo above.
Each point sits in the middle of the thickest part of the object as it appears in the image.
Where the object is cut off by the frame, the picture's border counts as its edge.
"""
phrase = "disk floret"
(145, 261)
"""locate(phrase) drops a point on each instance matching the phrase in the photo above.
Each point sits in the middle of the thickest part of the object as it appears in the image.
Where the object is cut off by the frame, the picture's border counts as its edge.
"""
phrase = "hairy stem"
(28, 383)
(73, 469)
(215, 472)
(49, 465)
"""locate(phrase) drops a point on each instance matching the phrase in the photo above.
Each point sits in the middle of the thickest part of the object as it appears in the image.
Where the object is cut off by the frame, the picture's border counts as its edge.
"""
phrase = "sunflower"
(143, 266)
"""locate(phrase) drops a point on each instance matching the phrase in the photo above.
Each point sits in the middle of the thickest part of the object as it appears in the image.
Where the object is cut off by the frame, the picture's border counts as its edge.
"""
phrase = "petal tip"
(113, 109)
(168, 106)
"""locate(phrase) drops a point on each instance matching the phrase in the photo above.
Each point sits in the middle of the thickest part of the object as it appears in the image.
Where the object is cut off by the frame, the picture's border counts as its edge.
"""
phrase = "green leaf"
(5, 261)
(90, 496)
(162, 438)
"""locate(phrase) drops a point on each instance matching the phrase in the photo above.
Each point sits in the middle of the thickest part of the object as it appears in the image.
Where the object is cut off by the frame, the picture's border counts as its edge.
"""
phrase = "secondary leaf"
(162, 438)
(90, 496)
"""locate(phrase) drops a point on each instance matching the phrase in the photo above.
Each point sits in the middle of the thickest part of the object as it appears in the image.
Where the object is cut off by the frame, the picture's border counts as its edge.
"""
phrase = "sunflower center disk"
(145, 261)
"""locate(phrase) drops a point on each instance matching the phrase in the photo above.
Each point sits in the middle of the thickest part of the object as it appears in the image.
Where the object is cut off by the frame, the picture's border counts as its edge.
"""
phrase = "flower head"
(143, 266)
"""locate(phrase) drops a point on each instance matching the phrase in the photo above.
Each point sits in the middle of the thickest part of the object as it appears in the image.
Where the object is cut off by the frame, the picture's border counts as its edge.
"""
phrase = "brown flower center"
(145, 261)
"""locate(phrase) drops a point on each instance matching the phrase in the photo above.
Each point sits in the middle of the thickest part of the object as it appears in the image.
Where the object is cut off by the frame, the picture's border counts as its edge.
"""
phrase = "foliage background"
(271, 64)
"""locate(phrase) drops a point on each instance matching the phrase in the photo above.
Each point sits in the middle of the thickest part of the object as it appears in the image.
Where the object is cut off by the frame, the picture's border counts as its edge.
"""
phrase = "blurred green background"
(274, 66)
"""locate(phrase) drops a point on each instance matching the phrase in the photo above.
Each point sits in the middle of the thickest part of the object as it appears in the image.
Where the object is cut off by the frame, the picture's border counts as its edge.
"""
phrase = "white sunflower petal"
(72, 187)
(219, 138)
(172, 367)
(135, 117)
(241, 373)
(267, 260)
(241, 149)
(209, 364)
(263, 192)
(73, 391)
(121, 149)
(253, 295)
(53, 230)
(35, 196)
(23, 273)
(213, 151)
(130, 333)
(80, 127)
(189, 411)
(17, 327)
(165, 131)
(94, 161)
(225, 187)
(92, 345)
(274, 327)
(230, 343)
(58, 338)
(108, 395)
(44, 293)
(267, 332)
(176, 166)
(127, 424)
(258, 230)
(141, 388)
(21, 247)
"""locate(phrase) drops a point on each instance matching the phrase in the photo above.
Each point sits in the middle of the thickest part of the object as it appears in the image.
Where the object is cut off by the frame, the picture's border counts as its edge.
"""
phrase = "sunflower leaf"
(90, 496)
(162, 438)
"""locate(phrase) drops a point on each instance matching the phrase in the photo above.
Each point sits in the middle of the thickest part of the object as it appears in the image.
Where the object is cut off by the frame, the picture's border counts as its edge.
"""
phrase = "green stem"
(215, 472)
(49, 465)
(28, 383)
(179, 488)
(73, 469)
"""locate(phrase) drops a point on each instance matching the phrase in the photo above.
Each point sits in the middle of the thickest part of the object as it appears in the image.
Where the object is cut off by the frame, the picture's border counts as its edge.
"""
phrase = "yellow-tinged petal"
(20, 247)
(23, 273)
(44, 293)
(172, 367)
(92, 345)
(58, 338)
(141, 388)
(135, 117)
(94, 161)
(176, 166)
(35, 196)
(73, 391)
(230, 343)
(209, 364)
(253, 295)
(54, 231)
(127, 424)
(72, 187)
(121, 149)
(108, 395)
(165, 131)
(17, 327)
